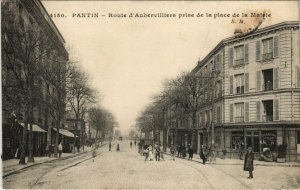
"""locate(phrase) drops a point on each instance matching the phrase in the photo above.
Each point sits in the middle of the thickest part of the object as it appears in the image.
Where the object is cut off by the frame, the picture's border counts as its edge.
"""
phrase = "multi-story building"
(26, 27)
(256, 92)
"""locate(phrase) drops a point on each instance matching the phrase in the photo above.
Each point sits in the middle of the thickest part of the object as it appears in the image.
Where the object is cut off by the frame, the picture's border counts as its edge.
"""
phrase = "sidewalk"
(227, 161)
(12, 166)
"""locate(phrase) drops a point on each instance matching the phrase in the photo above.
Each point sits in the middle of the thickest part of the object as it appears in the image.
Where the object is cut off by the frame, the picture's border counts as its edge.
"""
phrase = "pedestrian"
(109, 146)
(183, 150)
(51, 150)
(179, 151)
(157, 152)
(60, 149)
(118, 147)
(149, 153)
(190, 152)
(203, 154)
(134, 143)
(130, 144)
(248, 162)
(172, 151)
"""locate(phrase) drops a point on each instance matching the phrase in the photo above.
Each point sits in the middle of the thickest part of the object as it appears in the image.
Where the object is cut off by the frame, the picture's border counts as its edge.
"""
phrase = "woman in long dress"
(150, 153)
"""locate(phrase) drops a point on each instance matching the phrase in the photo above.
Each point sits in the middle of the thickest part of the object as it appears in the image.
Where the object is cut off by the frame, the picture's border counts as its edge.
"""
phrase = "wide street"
(128, 170)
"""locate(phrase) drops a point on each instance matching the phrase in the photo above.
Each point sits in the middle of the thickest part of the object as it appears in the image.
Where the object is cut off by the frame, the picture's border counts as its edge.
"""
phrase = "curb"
(259, 164)
(48, 161)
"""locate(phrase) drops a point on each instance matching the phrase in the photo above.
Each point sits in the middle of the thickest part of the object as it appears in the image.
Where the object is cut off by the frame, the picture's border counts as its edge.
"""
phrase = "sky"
(129, 58)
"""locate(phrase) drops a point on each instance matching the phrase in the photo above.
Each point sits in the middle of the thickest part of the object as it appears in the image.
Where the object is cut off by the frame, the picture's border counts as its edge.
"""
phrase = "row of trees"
(180, 99)
(40, 82)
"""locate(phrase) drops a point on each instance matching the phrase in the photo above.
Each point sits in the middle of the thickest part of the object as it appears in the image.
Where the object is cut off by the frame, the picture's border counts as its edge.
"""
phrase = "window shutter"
(276, 110)
(257, 50)
(246, 82)
(276, 47)
(258, 81)
(275, 82)
(221, 62)
(246, 54)
(246, 111)
(231, 85)
(230, 57)
(258, 114)
(231, 112)
(298, 75)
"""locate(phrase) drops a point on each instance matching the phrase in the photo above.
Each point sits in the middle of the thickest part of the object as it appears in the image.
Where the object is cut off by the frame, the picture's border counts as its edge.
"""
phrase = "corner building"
(256, 95)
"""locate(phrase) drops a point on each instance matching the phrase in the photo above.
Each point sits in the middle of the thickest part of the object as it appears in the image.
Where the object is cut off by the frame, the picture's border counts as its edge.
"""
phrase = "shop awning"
(35, 128)
(64, 132)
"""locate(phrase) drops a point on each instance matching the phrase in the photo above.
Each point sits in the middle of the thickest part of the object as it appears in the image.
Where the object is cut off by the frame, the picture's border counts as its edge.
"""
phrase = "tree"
(22, 46)
(57, 75)
(80, 96)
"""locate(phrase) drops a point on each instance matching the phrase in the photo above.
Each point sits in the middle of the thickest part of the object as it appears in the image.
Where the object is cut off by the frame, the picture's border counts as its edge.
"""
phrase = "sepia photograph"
(152, 94)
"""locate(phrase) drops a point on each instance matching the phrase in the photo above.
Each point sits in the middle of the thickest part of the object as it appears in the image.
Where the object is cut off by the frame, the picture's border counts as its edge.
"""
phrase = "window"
(239, 55)
(239, 84)
(267, 48)
(239, 112)
(218, 89)
(237, 141)
(268, 140)
(267, 110)
(270, 48)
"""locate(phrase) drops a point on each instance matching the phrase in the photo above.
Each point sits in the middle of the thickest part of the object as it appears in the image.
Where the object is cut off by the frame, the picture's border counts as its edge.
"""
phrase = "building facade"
(256, 94)
(27, 33)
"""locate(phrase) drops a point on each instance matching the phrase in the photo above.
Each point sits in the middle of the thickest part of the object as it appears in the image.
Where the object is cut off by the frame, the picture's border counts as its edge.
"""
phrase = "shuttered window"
(246, 54)
(276, 80)
(231, 85)
(230, 57)
(221, 62)
(276, 110)
(231, 112)
(257, 51)
(246, 111)
(258, 114)
(246, 82)
(258, 81)
(276, 46)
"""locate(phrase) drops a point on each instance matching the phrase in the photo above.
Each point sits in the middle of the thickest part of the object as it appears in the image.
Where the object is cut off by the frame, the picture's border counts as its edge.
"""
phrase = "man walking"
(248, 163)
(157, 152)
(203, 154)
(190, 152)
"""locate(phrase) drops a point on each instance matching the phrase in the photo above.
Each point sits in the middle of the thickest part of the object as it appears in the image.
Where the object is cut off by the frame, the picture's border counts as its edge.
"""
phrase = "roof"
(241, 37)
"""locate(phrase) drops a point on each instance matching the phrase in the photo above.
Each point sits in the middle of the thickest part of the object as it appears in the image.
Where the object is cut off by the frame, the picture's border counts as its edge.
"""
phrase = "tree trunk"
(24, 140)
(57, 137)
(192, 132)
(30, 140)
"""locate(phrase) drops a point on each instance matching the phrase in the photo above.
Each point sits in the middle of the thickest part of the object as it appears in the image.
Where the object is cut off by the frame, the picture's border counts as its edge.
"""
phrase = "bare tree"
(21, 58)
(80, 96)
(57, 73)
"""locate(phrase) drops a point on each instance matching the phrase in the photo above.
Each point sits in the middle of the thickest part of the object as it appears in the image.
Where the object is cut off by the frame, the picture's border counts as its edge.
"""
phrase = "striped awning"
(35, 128)
(64, 132)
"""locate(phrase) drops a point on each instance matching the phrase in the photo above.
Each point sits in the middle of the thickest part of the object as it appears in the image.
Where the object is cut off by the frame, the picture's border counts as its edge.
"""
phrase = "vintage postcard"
(150, 94)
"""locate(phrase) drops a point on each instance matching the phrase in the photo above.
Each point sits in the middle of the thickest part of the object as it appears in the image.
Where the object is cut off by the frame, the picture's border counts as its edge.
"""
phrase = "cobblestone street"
(128, 170)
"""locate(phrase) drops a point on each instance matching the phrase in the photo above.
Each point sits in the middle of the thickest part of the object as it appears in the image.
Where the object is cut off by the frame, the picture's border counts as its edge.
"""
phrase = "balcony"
(239, 119)
(239, 62)
(267, 86)
(267, 56)
(267, 118)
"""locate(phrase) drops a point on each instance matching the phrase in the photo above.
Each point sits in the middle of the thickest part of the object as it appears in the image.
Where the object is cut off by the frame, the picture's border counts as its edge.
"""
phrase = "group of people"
(51, 150)
(182, 150)
(157, 150)
(205, 152)
(131, 144)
